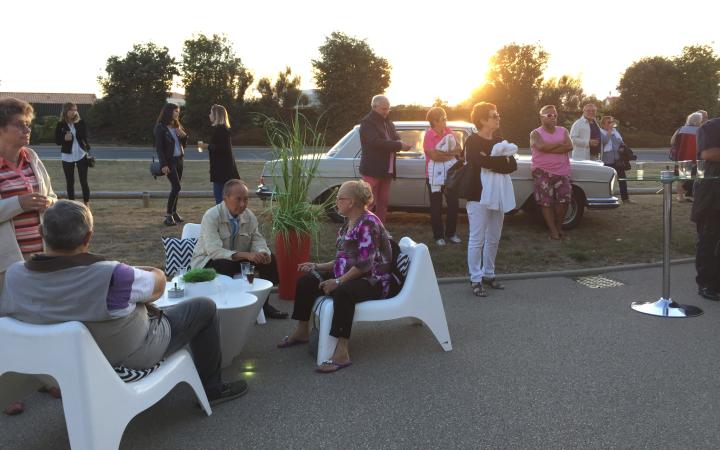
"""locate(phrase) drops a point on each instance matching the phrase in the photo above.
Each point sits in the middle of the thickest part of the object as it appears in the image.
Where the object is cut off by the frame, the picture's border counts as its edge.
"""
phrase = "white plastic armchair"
(419, 298)
(98, 405)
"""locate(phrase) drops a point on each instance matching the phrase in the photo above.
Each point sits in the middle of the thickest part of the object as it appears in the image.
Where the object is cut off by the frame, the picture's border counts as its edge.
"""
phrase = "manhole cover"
(597, 282)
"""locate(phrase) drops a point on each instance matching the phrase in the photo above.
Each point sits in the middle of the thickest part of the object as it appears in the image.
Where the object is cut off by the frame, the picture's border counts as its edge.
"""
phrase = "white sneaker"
(440, 242)
(455, 239)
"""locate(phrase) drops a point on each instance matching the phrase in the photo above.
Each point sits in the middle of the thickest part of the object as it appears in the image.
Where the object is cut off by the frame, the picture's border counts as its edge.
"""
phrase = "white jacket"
(10, 207)
(497, 188)
(437, 171)
(580, 137)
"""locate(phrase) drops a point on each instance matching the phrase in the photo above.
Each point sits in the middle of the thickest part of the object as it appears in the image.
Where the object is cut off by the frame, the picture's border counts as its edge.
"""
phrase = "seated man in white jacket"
(229, 236)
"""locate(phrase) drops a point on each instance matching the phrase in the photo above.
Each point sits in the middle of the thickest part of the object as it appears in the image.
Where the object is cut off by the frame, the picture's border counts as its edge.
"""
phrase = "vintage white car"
(592, 182)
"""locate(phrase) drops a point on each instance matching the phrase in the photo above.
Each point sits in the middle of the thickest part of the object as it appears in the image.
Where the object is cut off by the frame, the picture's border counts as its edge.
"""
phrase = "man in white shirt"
(585, 135)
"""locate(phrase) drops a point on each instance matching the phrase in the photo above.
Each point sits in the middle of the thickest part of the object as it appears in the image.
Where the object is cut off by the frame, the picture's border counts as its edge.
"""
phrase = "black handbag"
(90, 160)
(156, 169)
(458, 179)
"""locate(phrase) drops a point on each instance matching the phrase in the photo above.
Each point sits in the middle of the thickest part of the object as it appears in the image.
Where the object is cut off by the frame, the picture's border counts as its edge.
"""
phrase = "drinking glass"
(700, 168)
(250, 274)
(244, 269)
(640, 170)
(200, 146)
(685, 169)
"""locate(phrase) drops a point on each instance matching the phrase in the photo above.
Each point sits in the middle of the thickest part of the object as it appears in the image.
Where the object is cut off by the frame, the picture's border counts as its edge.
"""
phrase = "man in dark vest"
(380, 142)
(706, 212)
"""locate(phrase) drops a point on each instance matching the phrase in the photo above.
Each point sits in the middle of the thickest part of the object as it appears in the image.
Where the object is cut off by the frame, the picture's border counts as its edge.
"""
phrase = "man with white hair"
(114, 301)
(585, 135)
(379, 142)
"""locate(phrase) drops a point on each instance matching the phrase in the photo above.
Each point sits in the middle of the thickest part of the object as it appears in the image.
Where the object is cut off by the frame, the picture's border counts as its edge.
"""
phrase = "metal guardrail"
(145, 196)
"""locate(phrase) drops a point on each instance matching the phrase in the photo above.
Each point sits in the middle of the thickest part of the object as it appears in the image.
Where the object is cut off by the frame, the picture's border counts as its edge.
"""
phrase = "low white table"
(259, 288)
(237, 308)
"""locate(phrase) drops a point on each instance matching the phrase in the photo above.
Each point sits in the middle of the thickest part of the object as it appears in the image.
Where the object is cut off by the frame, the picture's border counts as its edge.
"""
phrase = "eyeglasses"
(342, 198)
(549, 116)
(22, 126)
(494, 116)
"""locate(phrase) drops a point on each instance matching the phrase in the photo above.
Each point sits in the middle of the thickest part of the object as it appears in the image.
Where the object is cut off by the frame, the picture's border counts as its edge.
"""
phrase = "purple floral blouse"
(367, 247)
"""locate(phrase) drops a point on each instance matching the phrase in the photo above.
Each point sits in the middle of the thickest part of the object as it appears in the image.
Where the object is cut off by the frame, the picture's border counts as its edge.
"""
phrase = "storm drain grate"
(598, 282)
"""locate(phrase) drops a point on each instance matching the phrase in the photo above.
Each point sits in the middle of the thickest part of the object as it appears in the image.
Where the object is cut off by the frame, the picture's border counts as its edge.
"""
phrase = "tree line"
(656, 93)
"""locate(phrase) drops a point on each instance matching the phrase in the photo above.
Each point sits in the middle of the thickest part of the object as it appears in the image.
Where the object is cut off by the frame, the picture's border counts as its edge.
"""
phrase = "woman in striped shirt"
(25, 193)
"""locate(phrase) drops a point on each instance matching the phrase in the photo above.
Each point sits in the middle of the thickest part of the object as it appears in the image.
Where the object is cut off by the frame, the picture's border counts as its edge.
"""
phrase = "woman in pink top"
(438, 160)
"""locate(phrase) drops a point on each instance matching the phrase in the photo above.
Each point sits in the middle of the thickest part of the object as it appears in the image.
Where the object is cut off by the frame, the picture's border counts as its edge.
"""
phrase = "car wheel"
(328, 197)
(576, 209)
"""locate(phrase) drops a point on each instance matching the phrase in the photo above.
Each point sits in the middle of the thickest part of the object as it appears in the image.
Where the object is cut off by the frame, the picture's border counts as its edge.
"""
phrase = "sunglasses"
(550, 116)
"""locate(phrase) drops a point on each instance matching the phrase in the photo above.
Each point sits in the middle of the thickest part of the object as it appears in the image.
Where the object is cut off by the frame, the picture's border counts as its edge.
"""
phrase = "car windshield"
(341, 143)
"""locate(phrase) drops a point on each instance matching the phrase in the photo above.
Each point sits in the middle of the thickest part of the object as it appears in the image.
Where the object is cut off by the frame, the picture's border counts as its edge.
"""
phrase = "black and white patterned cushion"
(130, 375)
(403, 264)
(178, 253)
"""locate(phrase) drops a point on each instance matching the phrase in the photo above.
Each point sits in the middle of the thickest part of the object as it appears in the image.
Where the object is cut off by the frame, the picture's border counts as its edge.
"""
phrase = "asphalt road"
(546, 363)
(48, 152)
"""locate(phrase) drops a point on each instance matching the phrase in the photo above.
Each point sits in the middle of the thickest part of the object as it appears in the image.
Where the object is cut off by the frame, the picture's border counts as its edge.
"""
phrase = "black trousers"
(227, 267)
(620, 169)
(195, 322)
(707, 257)
(345, 297)
(69, 170)
(436, 202)
(174, 176)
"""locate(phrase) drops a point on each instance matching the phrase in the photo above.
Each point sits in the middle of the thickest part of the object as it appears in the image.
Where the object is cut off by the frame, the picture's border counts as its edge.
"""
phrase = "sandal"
(493, 283)
(478, 290)
(330, 366)
(287, 341)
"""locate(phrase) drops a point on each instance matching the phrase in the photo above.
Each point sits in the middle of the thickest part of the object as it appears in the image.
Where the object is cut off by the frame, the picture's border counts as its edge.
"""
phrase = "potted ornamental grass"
(294, 220)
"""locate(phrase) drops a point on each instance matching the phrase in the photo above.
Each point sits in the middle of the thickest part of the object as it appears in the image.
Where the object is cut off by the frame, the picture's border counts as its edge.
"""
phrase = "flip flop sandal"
(478, 290)
(286, 342)
(333, 366)
(493, 283)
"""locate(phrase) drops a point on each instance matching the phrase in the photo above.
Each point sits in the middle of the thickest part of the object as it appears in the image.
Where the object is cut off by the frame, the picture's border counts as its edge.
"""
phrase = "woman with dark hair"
(71, 136)
(222, 162)
(170, 141)
(484, 221)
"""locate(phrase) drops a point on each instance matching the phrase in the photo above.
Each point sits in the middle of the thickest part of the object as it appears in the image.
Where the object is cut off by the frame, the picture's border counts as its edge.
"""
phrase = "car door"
(408, 188)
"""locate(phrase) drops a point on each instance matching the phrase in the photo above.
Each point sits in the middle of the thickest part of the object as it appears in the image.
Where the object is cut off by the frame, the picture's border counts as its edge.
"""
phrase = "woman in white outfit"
(485, 221)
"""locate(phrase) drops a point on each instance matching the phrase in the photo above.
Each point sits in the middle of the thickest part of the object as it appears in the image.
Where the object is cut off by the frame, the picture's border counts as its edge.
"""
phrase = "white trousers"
(485, 230)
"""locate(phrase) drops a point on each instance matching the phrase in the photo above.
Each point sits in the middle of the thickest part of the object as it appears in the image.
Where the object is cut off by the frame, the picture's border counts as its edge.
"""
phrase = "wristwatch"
(337, 281)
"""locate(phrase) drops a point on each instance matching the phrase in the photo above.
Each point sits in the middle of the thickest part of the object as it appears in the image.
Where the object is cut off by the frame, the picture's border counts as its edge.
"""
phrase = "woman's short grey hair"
(360, 190)
(66, 224)
(694, 119)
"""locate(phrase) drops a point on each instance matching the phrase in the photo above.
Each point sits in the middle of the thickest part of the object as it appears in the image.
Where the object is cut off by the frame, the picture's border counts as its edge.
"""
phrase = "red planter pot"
(289, 254)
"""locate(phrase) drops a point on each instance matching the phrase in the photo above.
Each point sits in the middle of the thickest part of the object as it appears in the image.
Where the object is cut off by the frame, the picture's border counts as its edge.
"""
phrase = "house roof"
(52, 97)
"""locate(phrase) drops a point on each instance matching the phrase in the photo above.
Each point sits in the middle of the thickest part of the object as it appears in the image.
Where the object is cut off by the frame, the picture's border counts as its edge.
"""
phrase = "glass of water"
(640, 170)
(685, 169)
(245, 269)
(700, 168)
(200, 146)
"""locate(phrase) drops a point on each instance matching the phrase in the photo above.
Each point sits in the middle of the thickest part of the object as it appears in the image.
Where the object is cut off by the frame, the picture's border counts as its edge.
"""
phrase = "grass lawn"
(126, 231)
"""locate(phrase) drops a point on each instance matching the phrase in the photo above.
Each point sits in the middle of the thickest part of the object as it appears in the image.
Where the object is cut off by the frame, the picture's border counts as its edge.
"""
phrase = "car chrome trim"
(602, 203)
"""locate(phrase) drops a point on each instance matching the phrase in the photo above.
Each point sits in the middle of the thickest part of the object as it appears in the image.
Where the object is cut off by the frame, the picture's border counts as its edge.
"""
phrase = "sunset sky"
(436, 49)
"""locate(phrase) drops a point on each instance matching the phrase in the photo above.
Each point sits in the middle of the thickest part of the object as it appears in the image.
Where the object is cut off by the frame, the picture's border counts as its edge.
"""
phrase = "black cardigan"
(80, 133)
(476, 144)
(377, 145)
(222, 161)
(165, 144)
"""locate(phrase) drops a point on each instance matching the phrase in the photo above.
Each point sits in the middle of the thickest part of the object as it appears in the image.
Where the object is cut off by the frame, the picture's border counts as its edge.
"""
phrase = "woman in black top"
(222, 161)
(485, 225)
(170, 141)
(71, 136)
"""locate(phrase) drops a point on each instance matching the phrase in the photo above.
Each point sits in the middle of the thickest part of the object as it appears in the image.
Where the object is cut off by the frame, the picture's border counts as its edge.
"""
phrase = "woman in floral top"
(361, 271)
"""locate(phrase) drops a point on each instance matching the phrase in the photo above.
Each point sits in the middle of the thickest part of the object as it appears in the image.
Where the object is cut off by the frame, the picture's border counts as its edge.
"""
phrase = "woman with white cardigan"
(489, 197)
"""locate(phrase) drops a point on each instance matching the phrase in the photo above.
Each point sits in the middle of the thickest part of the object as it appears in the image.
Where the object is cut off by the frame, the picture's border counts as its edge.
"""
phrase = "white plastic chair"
(192, 230)
(419, 298)
(97, 404)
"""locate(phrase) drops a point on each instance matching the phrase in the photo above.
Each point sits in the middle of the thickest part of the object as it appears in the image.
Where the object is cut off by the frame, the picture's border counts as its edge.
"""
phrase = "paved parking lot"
(546, 363)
